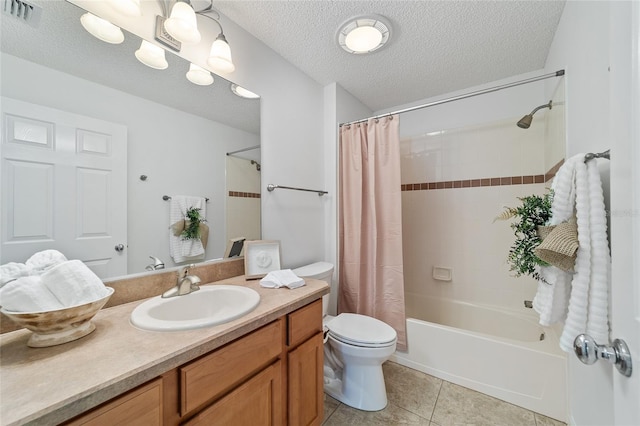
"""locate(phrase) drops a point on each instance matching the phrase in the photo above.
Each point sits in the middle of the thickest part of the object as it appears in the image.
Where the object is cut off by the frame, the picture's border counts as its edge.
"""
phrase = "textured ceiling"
(436, 47)
(60, 42)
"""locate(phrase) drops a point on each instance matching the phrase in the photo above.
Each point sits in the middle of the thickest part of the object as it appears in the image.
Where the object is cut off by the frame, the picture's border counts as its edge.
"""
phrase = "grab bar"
(271, 187)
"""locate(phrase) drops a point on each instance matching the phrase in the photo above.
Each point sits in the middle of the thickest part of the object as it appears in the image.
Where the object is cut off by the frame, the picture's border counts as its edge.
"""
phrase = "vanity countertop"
(51, 385)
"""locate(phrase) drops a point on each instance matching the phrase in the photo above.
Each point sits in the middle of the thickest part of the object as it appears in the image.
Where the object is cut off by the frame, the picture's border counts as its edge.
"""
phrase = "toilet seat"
(361, 330)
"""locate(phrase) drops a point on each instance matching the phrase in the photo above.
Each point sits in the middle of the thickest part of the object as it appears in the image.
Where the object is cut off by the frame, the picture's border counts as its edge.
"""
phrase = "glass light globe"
(151, 55)
(220, 56)
(182, 24)
(127, 7)
(363, 39)
(198, 75)
(102, 29)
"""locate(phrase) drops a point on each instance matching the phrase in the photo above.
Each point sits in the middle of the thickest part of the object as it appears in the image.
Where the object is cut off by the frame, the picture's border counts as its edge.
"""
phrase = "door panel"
(63, 186)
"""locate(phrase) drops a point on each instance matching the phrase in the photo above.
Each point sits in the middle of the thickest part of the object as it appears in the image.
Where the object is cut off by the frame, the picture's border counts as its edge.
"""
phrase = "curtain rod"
(243, 150)
(558, 73)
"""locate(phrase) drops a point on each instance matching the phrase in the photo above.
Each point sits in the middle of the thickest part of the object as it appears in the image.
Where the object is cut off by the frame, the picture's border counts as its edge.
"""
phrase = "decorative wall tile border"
(494, 181)
(243, 194)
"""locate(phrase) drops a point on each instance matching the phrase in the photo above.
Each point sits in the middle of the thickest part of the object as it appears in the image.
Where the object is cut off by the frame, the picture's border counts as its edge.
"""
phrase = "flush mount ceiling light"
(364, 34)
(102, 29)
(242, 92)
(198, 75)
(151, 55)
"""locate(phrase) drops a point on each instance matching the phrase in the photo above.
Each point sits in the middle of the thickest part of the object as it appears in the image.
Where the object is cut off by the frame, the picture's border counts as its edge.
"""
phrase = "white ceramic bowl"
(61, 325)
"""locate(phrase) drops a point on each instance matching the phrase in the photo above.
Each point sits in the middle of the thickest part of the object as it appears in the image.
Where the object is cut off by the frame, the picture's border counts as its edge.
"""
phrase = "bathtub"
(503, 354)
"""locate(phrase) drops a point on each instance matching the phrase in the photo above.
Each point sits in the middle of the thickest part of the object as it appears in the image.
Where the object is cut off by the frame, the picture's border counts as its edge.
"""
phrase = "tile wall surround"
(454, 183)
(243, 194)
(143, 286)
(494, 181)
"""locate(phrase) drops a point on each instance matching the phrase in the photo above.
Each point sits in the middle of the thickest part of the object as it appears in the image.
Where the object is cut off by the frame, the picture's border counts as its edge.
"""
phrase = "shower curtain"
(371, 272)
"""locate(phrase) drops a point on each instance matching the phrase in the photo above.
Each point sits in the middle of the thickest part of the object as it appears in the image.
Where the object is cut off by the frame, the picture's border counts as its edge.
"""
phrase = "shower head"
(258, 166)
(525, 121)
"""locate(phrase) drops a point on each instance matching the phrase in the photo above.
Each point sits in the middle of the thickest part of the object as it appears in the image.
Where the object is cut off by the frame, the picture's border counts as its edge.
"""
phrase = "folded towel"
(73, 283)
(28, 294)
(282, 278)
(44, 260)
(179, 249)
(12, 271)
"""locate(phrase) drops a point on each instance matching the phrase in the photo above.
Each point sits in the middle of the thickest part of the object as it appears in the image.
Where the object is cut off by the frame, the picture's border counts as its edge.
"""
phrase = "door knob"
(119, 247)
(588, 351)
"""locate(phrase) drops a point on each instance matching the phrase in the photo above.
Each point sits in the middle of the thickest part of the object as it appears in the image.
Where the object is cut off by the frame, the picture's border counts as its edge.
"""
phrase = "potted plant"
(534, 212)
(192, 224)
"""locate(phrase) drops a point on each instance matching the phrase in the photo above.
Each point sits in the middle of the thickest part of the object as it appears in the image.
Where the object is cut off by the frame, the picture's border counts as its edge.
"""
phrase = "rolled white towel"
(73, 283)
(12, 271)
(28, 294)
(282, 278)
(44, 260)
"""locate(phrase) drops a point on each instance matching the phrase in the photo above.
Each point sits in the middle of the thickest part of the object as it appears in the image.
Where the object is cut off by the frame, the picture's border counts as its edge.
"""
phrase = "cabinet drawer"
(141, 406)
(209, 377)
(304, 323)
(257, 402)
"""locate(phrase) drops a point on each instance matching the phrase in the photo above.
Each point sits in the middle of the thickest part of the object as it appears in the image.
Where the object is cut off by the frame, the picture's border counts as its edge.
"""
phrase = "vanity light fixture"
(151, 55)
(102, 29)
(364, 34)
(242, 92)
(127, 7)
(181, 26)
(198, 75)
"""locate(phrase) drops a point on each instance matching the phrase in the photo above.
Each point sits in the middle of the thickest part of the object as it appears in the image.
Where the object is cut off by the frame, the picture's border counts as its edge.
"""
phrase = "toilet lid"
(361, 330)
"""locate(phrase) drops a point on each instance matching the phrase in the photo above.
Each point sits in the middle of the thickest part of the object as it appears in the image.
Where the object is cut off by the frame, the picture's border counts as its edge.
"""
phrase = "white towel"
(282, 278)
(44, 260)
(584, 295)
(28, 294)
(179, 249)
(552, 297)
(12, 271)
(73, 283)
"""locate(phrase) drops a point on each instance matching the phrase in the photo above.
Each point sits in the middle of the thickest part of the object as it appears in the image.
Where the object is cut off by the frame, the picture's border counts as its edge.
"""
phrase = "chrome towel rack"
(271, 187)
(167, 198)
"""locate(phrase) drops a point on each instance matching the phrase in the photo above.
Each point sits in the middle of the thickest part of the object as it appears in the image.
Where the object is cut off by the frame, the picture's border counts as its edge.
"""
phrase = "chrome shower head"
(258, 166)
(525, 122)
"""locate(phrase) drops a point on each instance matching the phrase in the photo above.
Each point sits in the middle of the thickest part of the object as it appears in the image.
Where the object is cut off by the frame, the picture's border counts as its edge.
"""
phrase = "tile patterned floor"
(416, 398)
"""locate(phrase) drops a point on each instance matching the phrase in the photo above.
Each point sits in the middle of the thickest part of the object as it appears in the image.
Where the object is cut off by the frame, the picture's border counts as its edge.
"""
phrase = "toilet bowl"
(354, 350)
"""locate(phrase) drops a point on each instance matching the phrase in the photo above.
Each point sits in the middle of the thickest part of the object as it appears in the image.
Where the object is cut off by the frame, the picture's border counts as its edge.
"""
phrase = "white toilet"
(354, 350)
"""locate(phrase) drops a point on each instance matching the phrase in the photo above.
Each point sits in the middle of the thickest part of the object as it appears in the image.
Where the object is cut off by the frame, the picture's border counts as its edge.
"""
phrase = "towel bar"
(167, 198)
(271, 187)
(591, 156)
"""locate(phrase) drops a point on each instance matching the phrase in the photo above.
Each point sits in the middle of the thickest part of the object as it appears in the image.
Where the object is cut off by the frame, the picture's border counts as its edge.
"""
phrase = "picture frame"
(235, 247)
(261, 257)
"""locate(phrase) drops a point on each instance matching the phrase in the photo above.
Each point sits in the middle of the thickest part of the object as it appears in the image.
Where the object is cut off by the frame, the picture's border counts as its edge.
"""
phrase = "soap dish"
(61, 325)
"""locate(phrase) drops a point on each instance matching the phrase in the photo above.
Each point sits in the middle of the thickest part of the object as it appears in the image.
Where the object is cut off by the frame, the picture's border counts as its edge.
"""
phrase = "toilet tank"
(322, 271)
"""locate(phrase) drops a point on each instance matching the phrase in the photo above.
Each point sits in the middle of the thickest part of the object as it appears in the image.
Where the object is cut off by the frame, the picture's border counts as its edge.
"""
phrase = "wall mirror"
(177, 136)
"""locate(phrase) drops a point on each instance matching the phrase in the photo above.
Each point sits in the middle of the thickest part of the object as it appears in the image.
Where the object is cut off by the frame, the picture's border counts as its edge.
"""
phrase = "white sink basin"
(211, 305)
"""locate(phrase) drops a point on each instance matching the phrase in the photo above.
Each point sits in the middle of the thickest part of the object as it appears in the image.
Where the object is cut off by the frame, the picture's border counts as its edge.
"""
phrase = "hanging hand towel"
(28, 294)
(73, 283)
(283, 278)
(183, 250)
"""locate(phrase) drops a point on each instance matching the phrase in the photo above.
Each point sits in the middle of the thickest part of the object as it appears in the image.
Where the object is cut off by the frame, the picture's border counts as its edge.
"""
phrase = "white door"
(63, 183)
(625, 201)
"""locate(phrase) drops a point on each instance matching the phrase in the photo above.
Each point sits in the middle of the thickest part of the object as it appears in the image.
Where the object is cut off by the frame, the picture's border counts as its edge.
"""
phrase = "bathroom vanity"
(263, 368)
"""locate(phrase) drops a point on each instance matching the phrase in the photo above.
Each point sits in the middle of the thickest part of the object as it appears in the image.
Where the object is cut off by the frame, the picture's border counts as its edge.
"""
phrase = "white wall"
(180, 153)
(581, 47)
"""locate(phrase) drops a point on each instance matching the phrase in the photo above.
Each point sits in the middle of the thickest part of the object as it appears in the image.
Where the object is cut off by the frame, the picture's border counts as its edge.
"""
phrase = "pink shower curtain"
(371, 273)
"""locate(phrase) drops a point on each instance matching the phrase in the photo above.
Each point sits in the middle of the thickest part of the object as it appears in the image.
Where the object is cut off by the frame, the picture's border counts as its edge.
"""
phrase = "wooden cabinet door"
(141, 406)
(257, 402)
(306, 385)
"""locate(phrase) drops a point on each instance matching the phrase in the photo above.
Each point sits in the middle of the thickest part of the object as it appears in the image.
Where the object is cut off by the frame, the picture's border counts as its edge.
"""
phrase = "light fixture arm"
(209, 9)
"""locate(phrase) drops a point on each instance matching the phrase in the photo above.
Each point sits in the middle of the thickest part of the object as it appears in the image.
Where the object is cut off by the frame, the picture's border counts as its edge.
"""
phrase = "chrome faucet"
(157, 264)
(186, 284)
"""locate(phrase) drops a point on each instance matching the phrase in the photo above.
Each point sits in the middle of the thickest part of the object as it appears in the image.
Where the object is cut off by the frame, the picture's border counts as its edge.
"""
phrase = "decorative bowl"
(59, 326)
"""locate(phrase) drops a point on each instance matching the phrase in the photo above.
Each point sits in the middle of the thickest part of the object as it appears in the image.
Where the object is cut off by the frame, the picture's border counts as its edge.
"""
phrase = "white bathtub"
(492, 351)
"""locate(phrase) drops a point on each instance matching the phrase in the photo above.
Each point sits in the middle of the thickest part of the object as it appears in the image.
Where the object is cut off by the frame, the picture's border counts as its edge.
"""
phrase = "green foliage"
(192, 222)
(535, 211)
